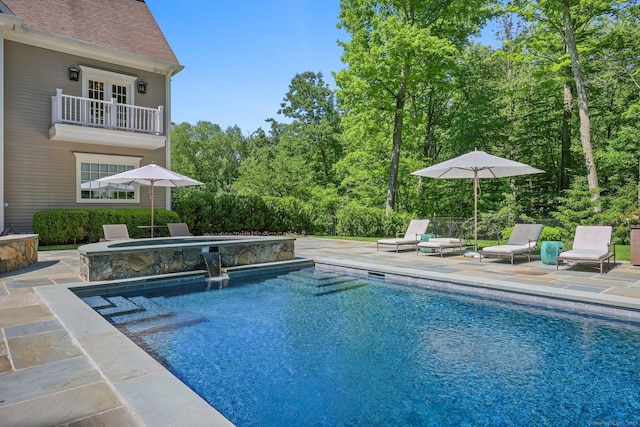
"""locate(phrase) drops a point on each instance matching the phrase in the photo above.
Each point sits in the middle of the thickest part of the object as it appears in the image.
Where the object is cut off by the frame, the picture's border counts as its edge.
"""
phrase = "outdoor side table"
(425, 238)
(550, 251)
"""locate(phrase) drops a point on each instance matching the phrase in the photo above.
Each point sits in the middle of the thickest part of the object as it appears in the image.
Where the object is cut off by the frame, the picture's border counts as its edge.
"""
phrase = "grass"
(58, 247)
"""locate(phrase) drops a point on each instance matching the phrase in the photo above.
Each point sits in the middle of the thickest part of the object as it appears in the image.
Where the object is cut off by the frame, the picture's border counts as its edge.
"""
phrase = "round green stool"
(425, 238)
(550, 251)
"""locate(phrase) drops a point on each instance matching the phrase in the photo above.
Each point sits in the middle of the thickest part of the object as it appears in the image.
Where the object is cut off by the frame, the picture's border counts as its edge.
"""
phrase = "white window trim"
(89, 73)
(104, 158)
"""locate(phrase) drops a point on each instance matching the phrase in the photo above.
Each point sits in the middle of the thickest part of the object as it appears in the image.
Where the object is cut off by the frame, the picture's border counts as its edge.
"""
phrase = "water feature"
(321, 348)
(212, 262)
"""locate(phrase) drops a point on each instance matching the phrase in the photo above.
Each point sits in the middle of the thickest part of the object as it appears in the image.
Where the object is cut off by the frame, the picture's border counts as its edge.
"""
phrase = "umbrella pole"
(152, 198)
(475, 210)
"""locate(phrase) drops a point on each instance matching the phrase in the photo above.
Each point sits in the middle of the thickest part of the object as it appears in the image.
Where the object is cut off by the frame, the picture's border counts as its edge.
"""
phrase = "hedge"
(72, 226)
(355, 220)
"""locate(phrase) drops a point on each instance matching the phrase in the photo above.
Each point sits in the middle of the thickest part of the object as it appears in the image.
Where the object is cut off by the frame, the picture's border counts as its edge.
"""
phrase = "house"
(85, 92)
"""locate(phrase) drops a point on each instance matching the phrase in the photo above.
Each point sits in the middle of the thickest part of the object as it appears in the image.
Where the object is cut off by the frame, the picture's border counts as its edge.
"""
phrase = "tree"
(583, 105)
(316, 124)
(206, 153)
(574, 20)
(398, 50)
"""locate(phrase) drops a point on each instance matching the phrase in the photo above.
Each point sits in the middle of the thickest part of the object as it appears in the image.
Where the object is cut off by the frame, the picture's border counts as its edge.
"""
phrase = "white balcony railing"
(106, 114)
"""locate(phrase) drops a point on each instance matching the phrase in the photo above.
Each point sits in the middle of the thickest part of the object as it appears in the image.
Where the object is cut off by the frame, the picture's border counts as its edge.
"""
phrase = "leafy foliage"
(66, 226)
(416, 90)
(355, 220)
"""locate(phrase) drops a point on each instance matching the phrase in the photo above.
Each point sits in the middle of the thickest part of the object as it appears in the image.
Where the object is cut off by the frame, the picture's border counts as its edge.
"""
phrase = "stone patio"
(62, 364)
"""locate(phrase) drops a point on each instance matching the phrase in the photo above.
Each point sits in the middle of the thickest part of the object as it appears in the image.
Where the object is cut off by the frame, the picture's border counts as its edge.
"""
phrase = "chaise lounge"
(115, 232)
(590, 244)
(523, 239)
(178, 229)
(417, 227)
(442, 244)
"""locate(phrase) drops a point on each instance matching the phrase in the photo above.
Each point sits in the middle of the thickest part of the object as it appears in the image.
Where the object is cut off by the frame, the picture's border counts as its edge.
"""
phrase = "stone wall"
(124, 263)
(256, 253)
(18, 251)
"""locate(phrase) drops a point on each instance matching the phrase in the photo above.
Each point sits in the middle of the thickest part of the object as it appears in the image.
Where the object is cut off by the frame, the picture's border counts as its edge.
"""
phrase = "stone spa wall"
(18, 251)
(150, 257)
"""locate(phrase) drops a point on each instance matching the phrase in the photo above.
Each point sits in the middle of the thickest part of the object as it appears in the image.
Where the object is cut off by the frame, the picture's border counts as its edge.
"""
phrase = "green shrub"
(355, 220)
(67, 226)
(61, 226)
(553, 234)
(288, 214)
(224, 213)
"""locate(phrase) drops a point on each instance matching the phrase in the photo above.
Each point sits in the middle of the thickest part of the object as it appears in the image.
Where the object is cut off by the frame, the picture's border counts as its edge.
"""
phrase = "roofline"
(20, 34)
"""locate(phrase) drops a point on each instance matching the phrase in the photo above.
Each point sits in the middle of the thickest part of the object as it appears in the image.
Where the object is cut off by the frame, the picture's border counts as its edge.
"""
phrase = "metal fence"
(462, 228)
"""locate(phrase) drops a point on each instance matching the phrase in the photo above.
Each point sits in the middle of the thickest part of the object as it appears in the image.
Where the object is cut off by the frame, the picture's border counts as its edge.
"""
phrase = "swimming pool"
(320, 348)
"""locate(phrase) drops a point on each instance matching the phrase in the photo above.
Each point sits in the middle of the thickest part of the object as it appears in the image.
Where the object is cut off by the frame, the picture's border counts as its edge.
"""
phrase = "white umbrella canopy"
(153, 176)
(476, 165)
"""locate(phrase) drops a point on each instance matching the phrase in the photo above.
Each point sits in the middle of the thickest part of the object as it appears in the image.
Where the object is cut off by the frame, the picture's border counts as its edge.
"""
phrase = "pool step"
(355, 284)
(147, 310)
(142, 315)
(327, 283)
(119, 306)
(120, 310)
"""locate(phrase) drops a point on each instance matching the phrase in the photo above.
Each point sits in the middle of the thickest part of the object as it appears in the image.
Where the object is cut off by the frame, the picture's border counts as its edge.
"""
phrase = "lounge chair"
(590, 244)
(178, 229)
(115, 232)
(441, 244)
(417, 227)
(523, 239)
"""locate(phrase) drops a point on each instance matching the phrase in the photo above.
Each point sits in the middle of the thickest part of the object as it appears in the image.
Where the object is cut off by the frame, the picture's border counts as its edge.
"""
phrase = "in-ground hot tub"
(150, 257)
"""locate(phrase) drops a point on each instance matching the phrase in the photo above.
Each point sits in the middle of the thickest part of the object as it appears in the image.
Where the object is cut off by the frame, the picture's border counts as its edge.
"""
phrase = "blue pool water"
(324, 349)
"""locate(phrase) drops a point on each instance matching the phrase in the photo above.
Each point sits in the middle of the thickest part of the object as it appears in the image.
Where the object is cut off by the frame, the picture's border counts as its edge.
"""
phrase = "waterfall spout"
(212, 262)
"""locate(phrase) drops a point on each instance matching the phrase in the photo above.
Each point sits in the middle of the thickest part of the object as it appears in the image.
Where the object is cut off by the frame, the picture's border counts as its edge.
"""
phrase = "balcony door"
(101, 87)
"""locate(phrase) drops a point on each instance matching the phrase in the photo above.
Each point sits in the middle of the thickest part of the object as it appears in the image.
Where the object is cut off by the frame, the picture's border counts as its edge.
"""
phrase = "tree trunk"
(395, 151)
(583, 107)
(565, 157)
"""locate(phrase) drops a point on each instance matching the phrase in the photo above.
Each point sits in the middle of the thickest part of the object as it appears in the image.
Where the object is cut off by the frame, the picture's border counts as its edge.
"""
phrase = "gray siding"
(39, 173)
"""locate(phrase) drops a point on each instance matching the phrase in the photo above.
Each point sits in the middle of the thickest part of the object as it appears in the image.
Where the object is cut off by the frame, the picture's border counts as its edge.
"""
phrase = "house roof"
(123, 25)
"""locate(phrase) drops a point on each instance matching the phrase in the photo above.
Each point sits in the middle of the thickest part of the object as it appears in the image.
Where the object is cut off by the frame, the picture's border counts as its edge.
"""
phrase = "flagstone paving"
(61, 364)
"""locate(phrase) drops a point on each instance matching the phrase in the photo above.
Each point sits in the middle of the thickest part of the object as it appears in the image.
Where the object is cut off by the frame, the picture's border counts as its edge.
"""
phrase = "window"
(91, 167)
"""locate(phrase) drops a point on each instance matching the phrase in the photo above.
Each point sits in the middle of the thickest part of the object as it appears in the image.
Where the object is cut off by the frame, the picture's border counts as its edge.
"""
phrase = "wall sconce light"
(142, 87)
(74, 74)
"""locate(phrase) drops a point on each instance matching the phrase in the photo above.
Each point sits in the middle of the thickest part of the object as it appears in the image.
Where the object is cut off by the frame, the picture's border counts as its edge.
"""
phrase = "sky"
(240, 56)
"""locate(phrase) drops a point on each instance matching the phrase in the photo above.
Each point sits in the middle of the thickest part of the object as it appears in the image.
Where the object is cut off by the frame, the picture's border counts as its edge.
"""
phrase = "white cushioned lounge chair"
(416, 228)
(115, 232)
(590, 244)
(178, 229)
(523, 239)
(442, 244)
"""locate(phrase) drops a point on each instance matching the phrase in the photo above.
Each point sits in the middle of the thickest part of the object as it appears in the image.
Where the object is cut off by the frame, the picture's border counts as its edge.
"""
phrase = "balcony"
(92, 121)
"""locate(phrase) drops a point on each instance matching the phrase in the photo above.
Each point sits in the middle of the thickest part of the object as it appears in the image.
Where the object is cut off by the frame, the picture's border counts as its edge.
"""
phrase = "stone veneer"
(112, 262)
(18, 251)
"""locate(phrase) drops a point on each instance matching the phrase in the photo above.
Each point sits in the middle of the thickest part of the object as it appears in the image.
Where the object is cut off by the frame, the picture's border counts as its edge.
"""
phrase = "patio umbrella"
(476, 165)
(151, 175)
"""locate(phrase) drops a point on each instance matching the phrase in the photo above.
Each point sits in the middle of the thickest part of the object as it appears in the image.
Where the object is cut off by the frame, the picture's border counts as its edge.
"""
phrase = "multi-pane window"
(96, 109)
(92, 167)
(120, 94)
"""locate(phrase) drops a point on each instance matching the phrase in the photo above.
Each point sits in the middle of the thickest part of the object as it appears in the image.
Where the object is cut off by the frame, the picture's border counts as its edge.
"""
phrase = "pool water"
(319, 348)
